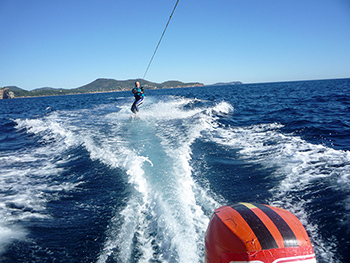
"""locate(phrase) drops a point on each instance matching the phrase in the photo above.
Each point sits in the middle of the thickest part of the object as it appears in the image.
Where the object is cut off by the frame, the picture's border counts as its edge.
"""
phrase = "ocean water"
(82, 181)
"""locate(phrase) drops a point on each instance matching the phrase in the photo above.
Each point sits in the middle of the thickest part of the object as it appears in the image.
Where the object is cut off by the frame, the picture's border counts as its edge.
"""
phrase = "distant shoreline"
(68, 94)
(111, 85)
(97, 86)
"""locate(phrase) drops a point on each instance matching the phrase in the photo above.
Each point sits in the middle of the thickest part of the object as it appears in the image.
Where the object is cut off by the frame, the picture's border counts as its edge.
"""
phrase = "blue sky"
(69, 43)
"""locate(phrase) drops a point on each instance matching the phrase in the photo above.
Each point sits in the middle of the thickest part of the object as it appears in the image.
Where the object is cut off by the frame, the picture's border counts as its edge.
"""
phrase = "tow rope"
(155, 51)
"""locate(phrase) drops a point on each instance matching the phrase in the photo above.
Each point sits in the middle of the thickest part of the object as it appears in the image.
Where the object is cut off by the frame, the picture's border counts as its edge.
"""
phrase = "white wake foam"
(164, 217)
(26, 177)
(163, 220)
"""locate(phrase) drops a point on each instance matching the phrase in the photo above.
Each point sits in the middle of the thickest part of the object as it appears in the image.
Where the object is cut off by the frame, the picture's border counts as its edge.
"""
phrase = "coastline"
(97, 86)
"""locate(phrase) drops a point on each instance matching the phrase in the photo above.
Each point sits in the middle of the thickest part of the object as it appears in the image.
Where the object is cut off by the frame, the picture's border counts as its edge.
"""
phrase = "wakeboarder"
(139, 97)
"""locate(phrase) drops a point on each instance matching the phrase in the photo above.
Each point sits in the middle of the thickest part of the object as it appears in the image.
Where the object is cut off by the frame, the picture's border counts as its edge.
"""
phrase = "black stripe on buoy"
(264, 236)
(289, 237)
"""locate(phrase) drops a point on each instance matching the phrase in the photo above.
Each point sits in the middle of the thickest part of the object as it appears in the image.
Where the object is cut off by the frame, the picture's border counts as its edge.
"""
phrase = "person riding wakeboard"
(139, 97)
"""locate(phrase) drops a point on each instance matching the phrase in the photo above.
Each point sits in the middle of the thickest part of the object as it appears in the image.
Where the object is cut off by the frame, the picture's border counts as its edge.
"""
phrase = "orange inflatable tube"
(256, 233)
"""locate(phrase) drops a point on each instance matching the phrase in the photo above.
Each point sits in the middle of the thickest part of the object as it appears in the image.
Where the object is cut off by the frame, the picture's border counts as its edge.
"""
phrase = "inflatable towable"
(256, 233)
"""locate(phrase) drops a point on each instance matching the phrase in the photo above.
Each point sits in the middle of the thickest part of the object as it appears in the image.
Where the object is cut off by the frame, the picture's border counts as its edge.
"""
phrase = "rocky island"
(6, 93)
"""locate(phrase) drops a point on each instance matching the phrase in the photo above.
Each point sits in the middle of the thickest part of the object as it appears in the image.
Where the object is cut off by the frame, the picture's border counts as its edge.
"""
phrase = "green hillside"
(101, 85)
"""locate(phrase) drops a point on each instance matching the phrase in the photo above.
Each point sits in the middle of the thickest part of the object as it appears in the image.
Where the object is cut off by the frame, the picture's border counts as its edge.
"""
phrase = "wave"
(163, 219)
(165, 213)
(26, 183)
(298, 168)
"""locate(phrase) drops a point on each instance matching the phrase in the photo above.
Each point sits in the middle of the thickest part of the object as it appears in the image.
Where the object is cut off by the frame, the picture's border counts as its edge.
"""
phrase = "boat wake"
(165, 213)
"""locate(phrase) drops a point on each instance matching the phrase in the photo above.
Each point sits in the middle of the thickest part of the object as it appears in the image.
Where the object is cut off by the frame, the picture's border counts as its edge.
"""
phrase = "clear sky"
(69, 43)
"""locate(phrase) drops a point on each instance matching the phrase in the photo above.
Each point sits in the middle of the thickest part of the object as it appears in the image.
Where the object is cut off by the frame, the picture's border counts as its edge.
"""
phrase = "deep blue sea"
(82, 181)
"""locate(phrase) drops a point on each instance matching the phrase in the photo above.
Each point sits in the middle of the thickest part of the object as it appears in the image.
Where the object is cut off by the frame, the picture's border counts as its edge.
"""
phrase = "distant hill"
(44, 88)
(101, 85)
(122, 85)
(226, 83)
(178, 84)
(14, 88)
(18, 91)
